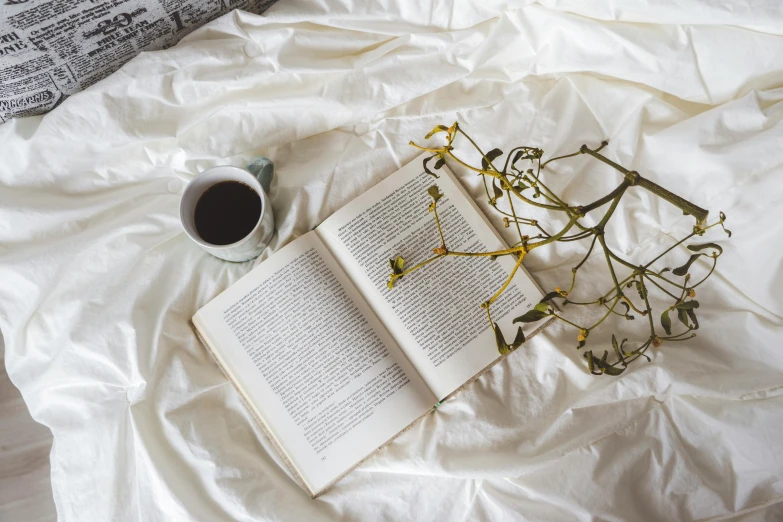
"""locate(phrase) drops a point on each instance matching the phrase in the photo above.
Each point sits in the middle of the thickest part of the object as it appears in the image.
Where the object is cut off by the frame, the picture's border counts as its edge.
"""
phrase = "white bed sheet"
(98, 280)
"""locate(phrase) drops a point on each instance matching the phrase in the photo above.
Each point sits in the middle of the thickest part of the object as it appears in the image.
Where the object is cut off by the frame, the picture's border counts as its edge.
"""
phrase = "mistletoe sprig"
(627, 297)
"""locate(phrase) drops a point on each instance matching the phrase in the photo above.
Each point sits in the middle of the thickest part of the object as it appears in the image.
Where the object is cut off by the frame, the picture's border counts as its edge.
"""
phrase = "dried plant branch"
(527, 186)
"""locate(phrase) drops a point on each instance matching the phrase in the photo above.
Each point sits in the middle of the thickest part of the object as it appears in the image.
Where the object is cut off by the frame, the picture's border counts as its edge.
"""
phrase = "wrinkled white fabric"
(99, 280)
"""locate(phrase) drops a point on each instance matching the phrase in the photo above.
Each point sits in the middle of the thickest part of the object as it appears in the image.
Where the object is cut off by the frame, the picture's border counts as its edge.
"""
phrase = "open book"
(331, 362)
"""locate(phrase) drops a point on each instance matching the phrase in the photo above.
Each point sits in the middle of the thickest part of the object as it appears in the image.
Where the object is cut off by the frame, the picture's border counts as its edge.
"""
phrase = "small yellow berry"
(560, 291)
(582, 335)
(691, 293)
(505, 222)
(656, 342)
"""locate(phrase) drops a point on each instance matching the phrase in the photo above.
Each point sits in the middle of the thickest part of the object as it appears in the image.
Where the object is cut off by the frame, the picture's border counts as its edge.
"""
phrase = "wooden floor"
(25, 488)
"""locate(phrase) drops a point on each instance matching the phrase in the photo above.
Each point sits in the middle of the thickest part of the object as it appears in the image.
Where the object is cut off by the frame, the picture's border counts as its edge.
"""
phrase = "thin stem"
(577, 237)
(714, 264)
(659, 276)
(606, 199)
(437, 222)
(547, 162)
(604, 220)
(516, 193)
(513, 212)
(577, 267)
(621, 260)
(577, 153)
(602, 319)
(508, 281)
(675, 245)
(508, 251)
(416, 267)
(648, 308)
(552, 194)
(636, 179)
(567, 321)
(555, 237)
(659, 286)
(611, 267)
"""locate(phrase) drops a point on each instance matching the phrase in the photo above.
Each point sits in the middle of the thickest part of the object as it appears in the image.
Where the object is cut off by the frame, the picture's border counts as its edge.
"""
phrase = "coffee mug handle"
(263, 169)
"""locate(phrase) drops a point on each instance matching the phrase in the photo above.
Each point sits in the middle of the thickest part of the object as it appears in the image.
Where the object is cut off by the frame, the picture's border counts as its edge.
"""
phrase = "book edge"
(248, 404)
(372, 453)
(494, 363)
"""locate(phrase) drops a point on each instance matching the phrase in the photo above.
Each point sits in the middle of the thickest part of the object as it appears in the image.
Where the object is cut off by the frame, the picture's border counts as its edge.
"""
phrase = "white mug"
(258, 176)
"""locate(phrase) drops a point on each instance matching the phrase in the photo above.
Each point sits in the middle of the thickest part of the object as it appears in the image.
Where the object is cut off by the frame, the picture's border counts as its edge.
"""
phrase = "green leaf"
(687, 305)
(682, 315)
(435, 130)
(497, 190)
(640, 289)
(682, 270)
(427, 170)
(551, 295)
(500, 341)
(519, 339)
(666, 322)
(617, 350)
(722, 219)
(439, 163)
(531, 316)
(702, 246)
(612, 370)
(397, 265)
(541, 307)
(517, 156)
(692, 316)
(434, 192)
(491, 155)
(622, 348)
(590, 363)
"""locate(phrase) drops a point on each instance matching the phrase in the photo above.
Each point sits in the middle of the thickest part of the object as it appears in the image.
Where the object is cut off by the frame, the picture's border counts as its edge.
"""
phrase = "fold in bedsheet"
(99, 281)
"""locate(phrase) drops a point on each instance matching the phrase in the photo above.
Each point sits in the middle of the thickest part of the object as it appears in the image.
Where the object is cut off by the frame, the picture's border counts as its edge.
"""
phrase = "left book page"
(319, 370)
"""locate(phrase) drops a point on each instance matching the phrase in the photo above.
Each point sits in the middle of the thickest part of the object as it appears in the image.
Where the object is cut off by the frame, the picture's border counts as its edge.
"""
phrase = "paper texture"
(50, 49)
(99, 281)
(433, 314)
(320, 368)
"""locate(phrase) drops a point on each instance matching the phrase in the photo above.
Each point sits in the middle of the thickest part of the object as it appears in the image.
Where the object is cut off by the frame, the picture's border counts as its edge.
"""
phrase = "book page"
(433, 313)
(318, 366)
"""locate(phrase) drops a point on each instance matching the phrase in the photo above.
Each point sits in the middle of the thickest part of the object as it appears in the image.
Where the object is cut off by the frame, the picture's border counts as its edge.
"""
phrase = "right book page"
(433, 313)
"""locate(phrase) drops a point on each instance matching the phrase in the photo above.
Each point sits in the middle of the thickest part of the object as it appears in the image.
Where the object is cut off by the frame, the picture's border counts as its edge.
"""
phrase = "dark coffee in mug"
(227, 212)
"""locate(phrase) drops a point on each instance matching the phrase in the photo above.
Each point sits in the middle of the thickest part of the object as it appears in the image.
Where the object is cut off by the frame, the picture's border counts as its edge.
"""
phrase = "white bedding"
(98, 280)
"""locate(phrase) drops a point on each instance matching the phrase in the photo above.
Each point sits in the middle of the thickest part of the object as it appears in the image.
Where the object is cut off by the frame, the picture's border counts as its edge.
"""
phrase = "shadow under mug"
(258, 176)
